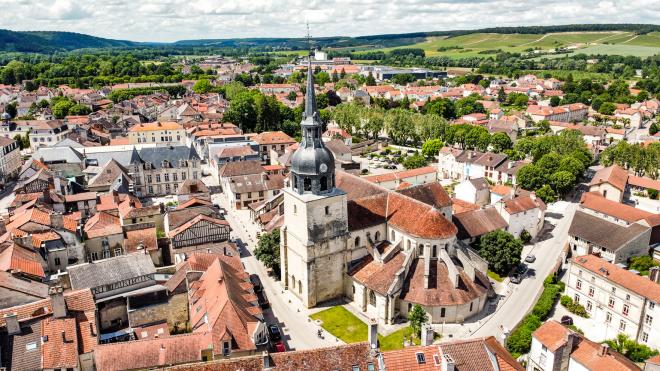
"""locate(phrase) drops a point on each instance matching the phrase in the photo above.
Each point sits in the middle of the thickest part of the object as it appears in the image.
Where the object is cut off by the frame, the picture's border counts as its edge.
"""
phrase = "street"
(298, 330)
(523, 296)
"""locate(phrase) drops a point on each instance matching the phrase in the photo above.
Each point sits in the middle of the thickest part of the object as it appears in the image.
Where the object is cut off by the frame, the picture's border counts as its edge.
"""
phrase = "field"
(484, 44)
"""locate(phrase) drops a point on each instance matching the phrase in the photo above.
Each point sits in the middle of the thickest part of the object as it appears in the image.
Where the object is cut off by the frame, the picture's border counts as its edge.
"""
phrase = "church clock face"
(323, 168)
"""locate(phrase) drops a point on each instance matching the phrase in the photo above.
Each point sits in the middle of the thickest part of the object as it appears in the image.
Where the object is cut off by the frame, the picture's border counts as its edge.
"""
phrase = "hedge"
(520, 340)
(573, 307)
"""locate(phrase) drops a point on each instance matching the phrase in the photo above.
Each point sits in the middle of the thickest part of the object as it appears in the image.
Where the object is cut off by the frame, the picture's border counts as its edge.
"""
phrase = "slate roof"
(601, 232)
(29, 287)
(175, 218)
(108, 174)
(111, 270)
(475, 223)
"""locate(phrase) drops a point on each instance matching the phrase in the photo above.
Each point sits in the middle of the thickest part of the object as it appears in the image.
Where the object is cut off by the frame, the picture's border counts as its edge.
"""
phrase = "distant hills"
(52, 41)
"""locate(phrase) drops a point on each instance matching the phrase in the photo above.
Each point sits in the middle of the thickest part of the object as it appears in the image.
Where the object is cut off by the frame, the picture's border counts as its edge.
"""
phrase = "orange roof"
(588, 354)
(644, 182)
(60, 343)
(501, 189)
(401, 174)
(615, 175)
(642, 286)
(15, 258)
(596, 202)
(102, 224)
(552, 334)
(153, 126)
(273, 137)
(523, 203)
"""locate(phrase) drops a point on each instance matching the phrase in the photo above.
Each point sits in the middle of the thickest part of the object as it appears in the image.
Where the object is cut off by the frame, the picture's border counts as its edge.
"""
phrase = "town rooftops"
(256, 183)
(433, 194)
(474, 223)
(401, 174)
(153, 126)
(483, 354)
(596, 202)
(643, 182)
(195, 220)
(640, 285)
(523, 203)
(236, 168)
(111, 270)
(614, 175)
(273, 137)
(601, 232)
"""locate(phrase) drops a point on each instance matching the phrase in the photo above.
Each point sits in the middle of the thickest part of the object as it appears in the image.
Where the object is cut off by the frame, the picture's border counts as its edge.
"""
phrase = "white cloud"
(170, 20)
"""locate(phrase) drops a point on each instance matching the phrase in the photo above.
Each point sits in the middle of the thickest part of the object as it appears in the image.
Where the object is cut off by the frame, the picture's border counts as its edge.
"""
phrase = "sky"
(171, 20)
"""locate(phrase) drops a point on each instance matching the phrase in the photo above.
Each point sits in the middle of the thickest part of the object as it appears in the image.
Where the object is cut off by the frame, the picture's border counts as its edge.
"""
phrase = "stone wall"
(175, 311)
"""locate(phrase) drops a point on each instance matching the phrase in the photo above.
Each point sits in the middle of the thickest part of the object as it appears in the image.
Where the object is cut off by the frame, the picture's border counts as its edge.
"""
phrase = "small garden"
(344, 325)
(573, 307)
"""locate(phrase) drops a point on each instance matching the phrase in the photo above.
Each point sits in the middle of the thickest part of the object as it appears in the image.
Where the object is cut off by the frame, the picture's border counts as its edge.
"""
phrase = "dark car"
(567, 320)
(274, 331)
(516, 278)
(256, 282)
(521, 269)
(530, 258)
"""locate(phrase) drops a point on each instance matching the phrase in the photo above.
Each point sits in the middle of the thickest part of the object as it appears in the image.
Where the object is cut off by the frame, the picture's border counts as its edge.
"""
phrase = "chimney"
(533, 196)
(63, 336)
(654, 274)
(56, 220)
(373, 333)
(427, 334)
(57, 301)
(13, 328)
(603, 350)
(511, 164)
(447, 362)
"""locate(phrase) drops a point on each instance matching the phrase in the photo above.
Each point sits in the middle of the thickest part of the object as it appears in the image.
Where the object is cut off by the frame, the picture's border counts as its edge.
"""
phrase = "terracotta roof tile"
(401, 174)
(152, 126)
(273, 137)
(342, 357)
(15, 258)
(197, 219)
(140, 236)
(596, 202)
(615, 175)
(102, 224)
(61, 348)
(474, 223)
(376, 275)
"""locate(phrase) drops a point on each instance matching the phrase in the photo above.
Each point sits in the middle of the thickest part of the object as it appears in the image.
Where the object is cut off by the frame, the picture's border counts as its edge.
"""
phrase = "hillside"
(51, 41)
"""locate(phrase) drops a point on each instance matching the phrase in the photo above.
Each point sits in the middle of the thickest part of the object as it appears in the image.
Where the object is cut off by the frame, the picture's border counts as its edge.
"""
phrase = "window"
(648, 319)
(442, 312)
(542, 359)
(327, 210)
(149, 179)
(580, 273)
(377, 236)
(591, 291)
(589, 305)
(393, 236)
(408, 244)
(261, 193)
(628, 297)
(372, 299)
(31, 346)
(324, 183)
(117, 251)
(576, 298)
(175, 177)
(295, 209)
(645, 337)
(471, 304)
(356, 368)
(626, 308)
(225, 348)
(578, 285)
(57, 261)
(436, 360)
(611, 303)
(249, 194)
(151, 189)
(238, 196)
(167, 177)
(167, 188)
(420, 358)
(608, 317)
(183, 175)
(299, 287)
(613, 290)
(357, 241)
(651, 305)
(157, 178)
(544, 348)
(622, 325)
(307, 184)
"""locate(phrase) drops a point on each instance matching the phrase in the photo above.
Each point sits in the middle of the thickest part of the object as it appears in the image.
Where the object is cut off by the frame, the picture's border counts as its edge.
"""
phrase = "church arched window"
(372, 298)
(377, 236)
(307, 184)
(408, 244)
(324, 183)
(299, 287)
(357, 241)
(293, 281)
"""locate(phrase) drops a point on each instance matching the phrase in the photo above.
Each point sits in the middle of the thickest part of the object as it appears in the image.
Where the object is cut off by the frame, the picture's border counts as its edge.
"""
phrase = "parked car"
(516, 278)
(256, 282)
(530, 258)
(566, 320)
(521, 269)
(274, 332)
(279, 347)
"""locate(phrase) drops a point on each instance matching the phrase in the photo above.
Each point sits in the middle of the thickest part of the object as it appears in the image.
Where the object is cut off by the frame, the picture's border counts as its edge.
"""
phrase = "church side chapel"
(383, 251)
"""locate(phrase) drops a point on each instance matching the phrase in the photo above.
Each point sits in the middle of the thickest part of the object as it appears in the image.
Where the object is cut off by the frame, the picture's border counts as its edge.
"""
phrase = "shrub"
(546, 302)
(573, 307)
(565, 300)
(525, 236)
(653, 193)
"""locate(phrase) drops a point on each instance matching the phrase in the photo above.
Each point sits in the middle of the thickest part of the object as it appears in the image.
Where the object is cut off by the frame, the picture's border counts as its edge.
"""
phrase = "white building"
(157, 132)
(10, 159)
(475, 191)
(622, 301)
(47, 133)
(522, 213)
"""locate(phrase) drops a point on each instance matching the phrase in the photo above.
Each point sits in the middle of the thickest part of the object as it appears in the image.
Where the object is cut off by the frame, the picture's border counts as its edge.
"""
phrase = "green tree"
(562, 181)
(417, 317)
(607, 108)
(268, 250)
(501, 95)
(61, 108)
(371, 81)
(501, 250)
(642, 264)
(431, 148)
(500, 142)
(403, 78)
(292, 96)
(531, 177)
(654, 127)
(547, 194)
(630, 348)
(11, 109)
(415, 161)
(202, 86)
(554, 101)
(79, 110)
(442, 107)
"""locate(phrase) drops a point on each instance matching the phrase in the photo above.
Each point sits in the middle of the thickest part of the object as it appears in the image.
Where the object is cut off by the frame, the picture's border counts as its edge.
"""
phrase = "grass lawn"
(345, 325)
(495, 276)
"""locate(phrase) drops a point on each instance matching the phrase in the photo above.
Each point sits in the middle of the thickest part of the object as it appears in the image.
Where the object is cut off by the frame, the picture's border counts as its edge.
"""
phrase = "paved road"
(547, 252)
(286, 310)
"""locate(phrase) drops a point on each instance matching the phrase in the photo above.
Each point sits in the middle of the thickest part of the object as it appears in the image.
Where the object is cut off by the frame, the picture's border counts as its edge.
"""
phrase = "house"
(192, 189)
(567, 113)
(473, 224)
(475, 190)
(522, 213)
(558, 348)
(619, 299)
(335, 132)
(15, 290)
(167, 132)
(200, 230)
(104, 237)
(614, 242)
(392, 181)
(272, 142)
(46, 133)
(610, 182)
(10, 159)
(244, 190)
(57, 332)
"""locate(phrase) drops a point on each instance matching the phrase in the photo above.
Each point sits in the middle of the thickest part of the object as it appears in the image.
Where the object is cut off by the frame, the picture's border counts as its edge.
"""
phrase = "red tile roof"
(552, 334)
(141, 236)
(401, 174)
(625, 278)
(523, 203)
(273, 137)
(151, 353)
(197, 219)
(18, 259)
(596, 202)
(376, 275)
(60, 350)
(102, 224)
(615, 175)
(643, 182)
(588, 355)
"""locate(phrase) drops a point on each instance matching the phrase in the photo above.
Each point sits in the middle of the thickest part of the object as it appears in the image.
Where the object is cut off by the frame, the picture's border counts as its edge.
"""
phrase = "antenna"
(309, 40)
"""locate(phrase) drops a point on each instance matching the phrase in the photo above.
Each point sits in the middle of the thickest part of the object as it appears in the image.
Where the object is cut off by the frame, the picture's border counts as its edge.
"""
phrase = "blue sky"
(171, 20)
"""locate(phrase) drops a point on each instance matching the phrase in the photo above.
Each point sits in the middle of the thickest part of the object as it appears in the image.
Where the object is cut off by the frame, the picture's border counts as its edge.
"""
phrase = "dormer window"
(165, 164)
(147, 165)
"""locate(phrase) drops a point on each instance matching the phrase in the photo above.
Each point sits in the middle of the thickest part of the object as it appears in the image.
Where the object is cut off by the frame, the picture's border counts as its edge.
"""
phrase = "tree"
(417, 317)
(202, 86)
(654, 127)
(79, 110)
(61, 108)
(642, 264)
(442, 107)
(630, 348)
(500, 141)
(371, 81)
(11, 109)
(415, 161)
(268, 250)
(531, 177)
(292, 96)
(432, 147)
(562, 181)
(403, 78)
(554, 101)
(547, 194)
(607, 108)
(501, 250)
(501, 95)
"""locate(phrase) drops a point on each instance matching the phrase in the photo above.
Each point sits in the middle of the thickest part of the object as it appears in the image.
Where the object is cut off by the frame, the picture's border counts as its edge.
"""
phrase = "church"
(383, 251)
